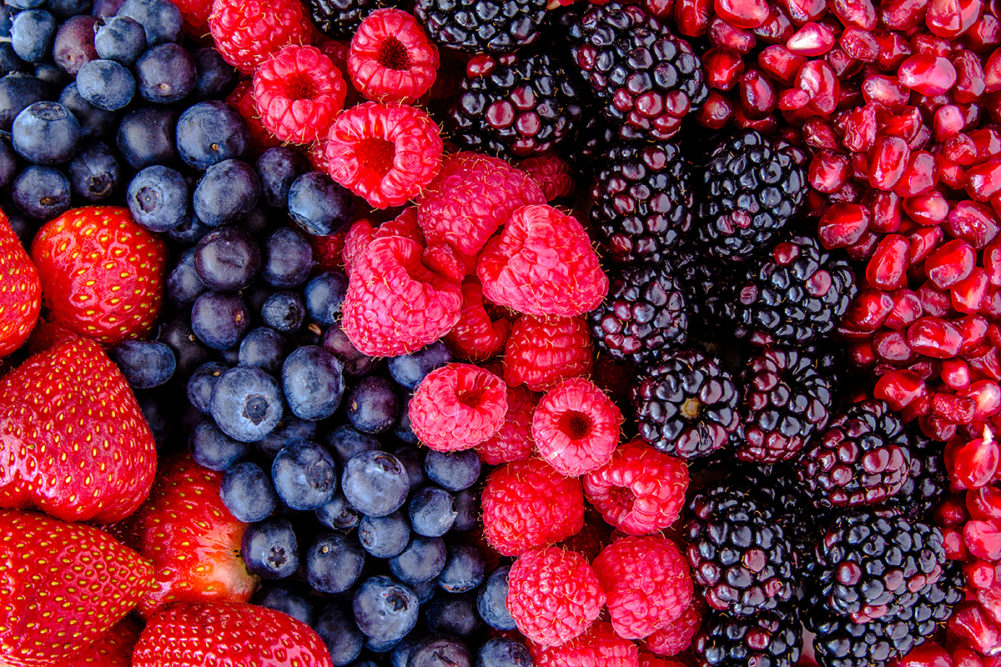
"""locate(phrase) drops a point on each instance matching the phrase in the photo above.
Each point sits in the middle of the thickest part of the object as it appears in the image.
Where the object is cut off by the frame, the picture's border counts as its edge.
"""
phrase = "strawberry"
(20, 291)
(73, 441)
(190, 537)
(189, 634)
(113, 648)
(102, 274)
(64, 585)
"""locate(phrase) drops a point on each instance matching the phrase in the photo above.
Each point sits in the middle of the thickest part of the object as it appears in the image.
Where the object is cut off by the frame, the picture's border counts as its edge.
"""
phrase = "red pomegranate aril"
(920, 176)
(860, 166)
(928, 654)
(722, 34)
(817, 78)
(861, 353)
(968, 294)
(979, 574)
(884, 90)
(887, 162)
(985, 361)
(692, 16)
(869, 309)
(973, 222)
(812, 39)
(917, 409)
(970, 622)
(892, 346)
(930, 208)
(801, 11)
(955, 373)
(984, 503)
(742, 13)
(780, 63)
(947, 121)
(722, 68)
(984, 34)
(818, 133)
(793, 99)
(936, 428)
(857, 13)
(776, 29)
(927, 74)
(986, 395)
(858, 128)
(893, 49)
(990, 597)
(906, 309)
(842, 225)
(973, 464)
(949, 19)
(956, 409)
(899, 388)
(922, 42)
(934, 337)
(992, 263)
(716, 111)
(970, 79)
(844, 67)
(983, 538)
(960, 149)
(992, 72)
(955, 547)
(828, 171)
(923, 241)
(859, 44)
(950, 263)
(904, 124)
(951, 174)
(984, 179)
(758, 97)
(973, 329)
(886, 211)
(934, 302)
(991, 305)
(864, 248)
(766, 125)
(987, 141)
(902, 15)
(887, 269)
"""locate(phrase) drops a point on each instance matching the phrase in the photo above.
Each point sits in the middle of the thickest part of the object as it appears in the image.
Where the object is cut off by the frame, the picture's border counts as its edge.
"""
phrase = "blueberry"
(160, 19)
(454, 471)
(201, 383)
(41, 192)
(318, 204)
(158, 198)
(282, 598)
(375, 483)
(45, 133)
(94, 122)
(288, 258)
(210, 132)
(270, 549)
(413, 461)
(213, 449)
(19, 5)
(334, 563)
(7, 13)
(467, 506)
(277, 168)
(74, 44)
(491, 600)
(246, 403)
(344, 442)
(214, 75)
(32, 33)
(305, 475)
(503, 652)
(17, 92)
(121, 39)
(52, 76)
(227, 259)
(452, 615)
(146, 137)
(63, 9)
(284, 311)
(165, 73)
(94, 172)
(432, 511)
(409, 369)
(384, 610)
(144, 363)
(337, 514)
(324, 295)
(106, 9)
(340, 634)
(373, 405)
(256, 223)
(8, 161)
(464, 569)
(337, 343)
(384, 536)
(106, 84)
(9, 62)
(262, 347)
(183, 283)
(440, 650)
(227, 192)
(219, 319)
(381, 645)
(189, 231)
(400, 655)
(187, 348)
(404, 430)
(290, 429)
(421, 561)
(313, 382)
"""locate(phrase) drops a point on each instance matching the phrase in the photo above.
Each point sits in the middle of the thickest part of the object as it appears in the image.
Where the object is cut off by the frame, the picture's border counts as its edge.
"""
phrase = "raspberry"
(195, 14)
(471, 198)
(542, 352)
(458, 406)
(576, 427)
(542, 264)
(551, 172)
(386, 153)
(553, 595)
(677, 635)
(600, 647)
(361, 233)
(527, 504)
(246, 32)
(513, 441)
(394, 303)
(476, 337)
(242, 99)
(640, 491)
(647, 584)
(297, 92)
(592, 538)
(328, 251)
(391, 59)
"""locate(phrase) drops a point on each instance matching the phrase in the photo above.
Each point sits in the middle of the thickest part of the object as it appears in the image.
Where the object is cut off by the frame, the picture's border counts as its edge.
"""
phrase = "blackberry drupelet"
(927, 481)
(770, 639)
(775, 487)
(685, 404)
(645, 312)
(752, 187)
(482, 26)
(642, 201)
(862, 458)
(339, 19)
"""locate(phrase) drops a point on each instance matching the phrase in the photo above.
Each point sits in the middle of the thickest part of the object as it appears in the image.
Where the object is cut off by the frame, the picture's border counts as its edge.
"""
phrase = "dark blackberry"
(482, 26)
(927, 481)
(752, 187)
(642, 201)
(645, 78)
(645, 311)
(770, 639)
(515, 105)
(739, 553)
(796, 296)
(685, 404)
(784, 403)
(340, 19)
(862, 458)
(775, 487)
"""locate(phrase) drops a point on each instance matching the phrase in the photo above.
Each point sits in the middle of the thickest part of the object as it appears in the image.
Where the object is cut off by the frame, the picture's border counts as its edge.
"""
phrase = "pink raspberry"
(552, 174)
(640, 491)
(542, 264)
(677, 635)
(553, 595)
(362, 231)
(297, 92)
(600, 647)
(542, 352)
(526, 504)
(391, 59)
(328, 251)
(457, 407)
(591, 539)
(513, 441)
(195, 14)
(476, 337)
(242, 99)
(647, 583)
(576, 427)
(246, 32)
(385, 153)
(394, 303)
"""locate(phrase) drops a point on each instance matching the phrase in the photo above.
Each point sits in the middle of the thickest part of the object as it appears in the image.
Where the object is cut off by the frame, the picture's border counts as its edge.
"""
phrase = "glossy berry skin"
(145, 364)
(246, 403)
(313, 382)
(94, 173)
(270, 549)
(158, 198)
(227, 192)
(483, 26)
(106, 84)
(375, 483)
(304, 475)
(45, 133)
(318, 205)
(247, 492)
(333, 563)
(41, 193)
(160, 19)
(210, 132)
(384, 609)
(121, 39)
(20, 294)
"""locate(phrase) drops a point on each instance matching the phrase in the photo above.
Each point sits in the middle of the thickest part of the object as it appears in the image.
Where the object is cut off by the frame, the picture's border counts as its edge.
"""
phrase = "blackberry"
(770, 639)
(784, 403)
(645, 78)
(642, 201)
(862, 458)
(739, 553)
(752, 188)
(775, 487)
(685, 404)
(645, 311)
(515, 105)
(339, 19)
(482, 26)
(927, 481)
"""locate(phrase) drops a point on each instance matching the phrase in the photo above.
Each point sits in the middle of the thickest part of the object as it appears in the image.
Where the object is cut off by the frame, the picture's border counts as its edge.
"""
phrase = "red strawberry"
(227, 633)
(113, 649)
(73, 441)
(20, 292)
(190, 537)
(64, 585)
(102, 274)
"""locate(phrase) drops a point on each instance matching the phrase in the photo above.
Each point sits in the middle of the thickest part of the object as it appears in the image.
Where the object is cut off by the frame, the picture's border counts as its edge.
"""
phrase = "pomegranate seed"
(792, 99)
(927, 74)
(842, 225)
(927, 209)
(742, 13)
(949, 19)
(920, 138)
(934, 302)
(950, 263)
(904, 125)
(692, 16)
(955, 373)
(859, 44)
(722, 67)
(986, 394)
(928, 654)
(906, 309)
(893, 49)
(780, 63)
(983, 538)
(936, 427)
(934, 337)
(758, 97)
(973, 222)
(857, 13)
(766, 125)
(888, 267)
(968, 294)
(917, 409)
(817, 78)
(863, 250)
(973, 329)
(723, 34)
(979, 575)
(992, 72)
(984, 503)
(969, 621)
(861, 354)
(919, 177)
(716, 111)
(801, 11)
(984, 34)
(885, 208)
(870, 308)
(844, 67)
(828, 171)
(987, 142)
(776, 29)
(984, 179)
(991, 305)
(951, 175)
(813, 39)
(955, 547)
(960, 149)
(948, 120)
(662, 9)
(990, 597)
(985, 361)
(884, 90)
(954, 409)
(818, 133)
(899, 388)
(887, 162)
(922, 42)
(902, 15)
(892, 346)
(970, 79)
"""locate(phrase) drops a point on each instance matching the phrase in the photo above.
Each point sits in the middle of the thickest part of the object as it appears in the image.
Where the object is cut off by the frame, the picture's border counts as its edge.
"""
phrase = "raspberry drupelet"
(246, 32)
(541, 352)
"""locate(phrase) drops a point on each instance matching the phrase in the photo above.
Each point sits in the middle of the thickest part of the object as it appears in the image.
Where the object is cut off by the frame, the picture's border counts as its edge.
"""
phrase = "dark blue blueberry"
(288, 258)
(340, 634)
(318, 204)
(246, 403)
(452, 614)
(282, 598)
(432, 511)
(189, 231)
(421, 561)
(337, 514)
(158, 198)
(257, 223)
(94, 123)
(9, 62)
(262, 347)
(7, 13)
(226, 193)
(32, 33)
(227, 259)
(344, 442)
(373, 405)
(41, 192)
(425, 591)
(270, 549)
(436, 651)
(384, 536)
(45, 133)
(247, 492)
(324, 296)
(213, 449)
(305, 475)
(284, 311)
(94, 172)
(334, 563)
(106, 84)
(384, 610)
(409, 369)
(356, 364)
(219, 319)
(313, 381)
(121, 39)
(158, 415)
(146, 136)
(20, 5)
(17, 92)
(400, 655)
(464, 570)
(187, 348)
(63, 9)
(215, 76)
(467, 507)
(375, 483)
(503, 652)
(183, 283)
(106, 9)
(380, 646)
(491, 600)
(278, 167)
(165, 74)
(161, 19)
(290, 429)
(413, 461)
(144, 363)
(52, 76)
(454, 471)
(210, 132)
(8, 161)
(74, 44)
(404, 430)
